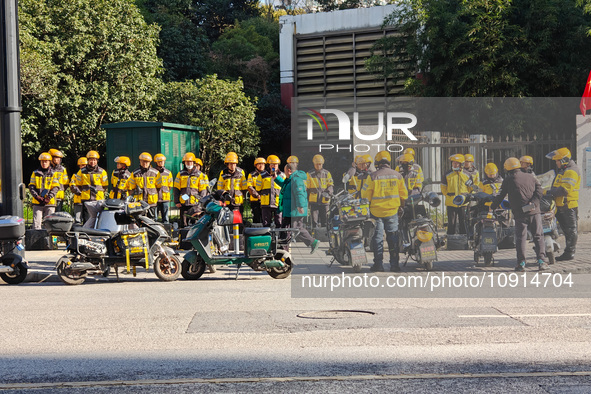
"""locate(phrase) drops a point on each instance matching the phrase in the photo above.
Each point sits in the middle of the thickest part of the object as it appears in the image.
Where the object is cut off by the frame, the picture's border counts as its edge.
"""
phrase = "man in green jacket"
(293, 203)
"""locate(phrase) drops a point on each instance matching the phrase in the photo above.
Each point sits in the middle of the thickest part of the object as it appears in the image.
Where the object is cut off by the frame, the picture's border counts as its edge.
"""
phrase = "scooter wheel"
(167, 269)
(68, 276)
(281, 273)
(551, 257)
(193, 271)
(488, 259)
(17, 277)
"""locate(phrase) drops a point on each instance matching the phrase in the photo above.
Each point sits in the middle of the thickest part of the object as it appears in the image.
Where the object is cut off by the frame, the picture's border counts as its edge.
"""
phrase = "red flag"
(586, 99)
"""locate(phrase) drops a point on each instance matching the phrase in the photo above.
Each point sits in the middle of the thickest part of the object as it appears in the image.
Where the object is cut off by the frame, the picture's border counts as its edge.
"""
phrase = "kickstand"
(331, 261)
(406, 261)
(116, 273)
(237, 270)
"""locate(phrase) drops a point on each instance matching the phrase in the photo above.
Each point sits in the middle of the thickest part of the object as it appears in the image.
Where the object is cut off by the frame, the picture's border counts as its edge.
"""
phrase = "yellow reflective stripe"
(569, 180)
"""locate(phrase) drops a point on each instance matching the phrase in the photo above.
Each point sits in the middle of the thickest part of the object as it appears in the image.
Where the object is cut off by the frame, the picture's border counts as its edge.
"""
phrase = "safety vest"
(250, 182)
(385, 190)
(235, 183)
(570, 179)
(92, 183)
(268, 189)
(75, 190)
(191, 184)
(62, 178)
(491, 186)
(164, 183)
(316, 183)
(474, 174)
(120, 183)
(453, 184)
(44, 182)
(413, 178)
(142, 185)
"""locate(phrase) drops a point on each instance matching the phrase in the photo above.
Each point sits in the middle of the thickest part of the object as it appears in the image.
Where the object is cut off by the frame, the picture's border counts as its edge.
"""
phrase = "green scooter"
(211, 242)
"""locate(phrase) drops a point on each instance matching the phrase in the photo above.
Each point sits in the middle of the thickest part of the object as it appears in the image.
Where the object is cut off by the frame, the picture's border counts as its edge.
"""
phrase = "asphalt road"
(225, 335)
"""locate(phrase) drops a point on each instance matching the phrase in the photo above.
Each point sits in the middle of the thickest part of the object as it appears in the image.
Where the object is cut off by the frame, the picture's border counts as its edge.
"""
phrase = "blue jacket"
(293, 194)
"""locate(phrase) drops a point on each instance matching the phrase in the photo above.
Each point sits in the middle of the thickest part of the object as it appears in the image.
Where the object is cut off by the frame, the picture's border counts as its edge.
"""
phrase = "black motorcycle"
(13, 269)
(419, 234)
(95, 251)
(346, 235)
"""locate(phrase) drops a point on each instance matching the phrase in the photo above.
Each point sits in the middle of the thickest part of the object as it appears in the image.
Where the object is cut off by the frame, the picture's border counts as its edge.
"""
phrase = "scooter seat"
(90, 231)
(256, 230)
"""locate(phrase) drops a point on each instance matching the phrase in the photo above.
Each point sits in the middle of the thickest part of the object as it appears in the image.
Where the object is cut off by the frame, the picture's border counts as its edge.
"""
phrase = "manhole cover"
(335, 314)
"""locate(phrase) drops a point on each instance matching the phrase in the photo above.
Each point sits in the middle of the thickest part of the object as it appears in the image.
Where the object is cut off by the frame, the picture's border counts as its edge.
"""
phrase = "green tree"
(486, 48)
(220, 107)
(215, 16)
(85, 63)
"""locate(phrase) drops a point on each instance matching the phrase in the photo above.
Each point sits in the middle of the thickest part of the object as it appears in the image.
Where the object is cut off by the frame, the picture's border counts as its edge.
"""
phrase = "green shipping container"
(132, 138)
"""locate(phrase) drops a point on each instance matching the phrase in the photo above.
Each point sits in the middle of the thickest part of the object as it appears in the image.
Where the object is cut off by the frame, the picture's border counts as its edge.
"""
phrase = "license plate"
(358, 256)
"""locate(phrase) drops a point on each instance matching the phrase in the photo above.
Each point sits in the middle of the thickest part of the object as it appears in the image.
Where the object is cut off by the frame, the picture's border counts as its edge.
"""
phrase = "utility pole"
(10, 112)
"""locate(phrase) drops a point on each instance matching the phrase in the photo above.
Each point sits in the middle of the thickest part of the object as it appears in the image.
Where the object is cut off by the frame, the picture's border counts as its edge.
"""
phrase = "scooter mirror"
(212, 183)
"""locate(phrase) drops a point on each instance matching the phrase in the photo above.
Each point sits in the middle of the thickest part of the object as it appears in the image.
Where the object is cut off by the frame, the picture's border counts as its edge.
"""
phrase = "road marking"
(532, 315)
(148, 382)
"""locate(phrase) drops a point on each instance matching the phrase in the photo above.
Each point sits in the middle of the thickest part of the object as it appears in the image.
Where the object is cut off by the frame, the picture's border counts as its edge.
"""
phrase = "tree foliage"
(486, 48)
(220, 107)
(84, 63)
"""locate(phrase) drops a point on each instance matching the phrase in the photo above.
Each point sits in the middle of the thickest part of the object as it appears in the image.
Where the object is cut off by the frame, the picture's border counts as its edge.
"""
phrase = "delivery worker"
(525, 193)
(565, 190)
(120, 178)
(93, 182)
(527, 164)
(78, 207)
(164, 184)
(44, 185)
(254, 198)
(358, 175)
(143, 181)
(491, 184)
(411, 172)
(62, 177)
(387, 193)
(269, 192)
(190, 185)
(470, 170)
(293, 203)
(320, 188)
(453, 184)
(233, 179)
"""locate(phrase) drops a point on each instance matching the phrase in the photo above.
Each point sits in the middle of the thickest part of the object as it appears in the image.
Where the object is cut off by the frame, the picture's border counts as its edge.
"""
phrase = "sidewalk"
(42, 263)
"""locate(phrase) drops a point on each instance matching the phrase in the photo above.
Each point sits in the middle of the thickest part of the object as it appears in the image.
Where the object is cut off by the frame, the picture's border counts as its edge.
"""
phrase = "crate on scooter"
(132, 244)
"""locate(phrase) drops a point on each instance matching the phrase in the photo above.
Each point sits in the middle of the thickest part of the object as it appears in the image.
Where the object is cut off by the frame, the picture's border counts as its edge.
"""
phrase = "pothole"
(335, 314)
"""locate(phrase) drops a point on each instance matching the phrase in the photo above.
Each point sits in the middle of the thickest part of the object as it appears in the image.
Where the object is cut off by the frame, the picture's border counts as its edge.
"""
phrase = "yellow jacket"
(268, 189)
(235, 183)
(414, 177)
(454, 184)
(385, 191)
(44, 183)
(92, 183)
(62, 178)
(142, 185)
(569, 180)
(316, 183)
(120, 183)
(75, 190)
(164, 184)
(193, 184)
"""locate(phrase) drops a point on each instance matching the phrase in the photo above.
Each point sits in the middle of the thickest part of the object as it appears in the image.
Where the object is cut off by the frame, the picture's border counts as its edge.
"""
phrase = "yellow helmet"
(92, 155)
(491, 169)
(527, 159)
(189, 156)
(259, 160)
(367, 158)
(45, 156)
(361, 160)
(146, 156)
(272, 159)
(468, 157)
(231, 157)
(383, 156)
(198, 161)
(512, 163)
(56, 153)
(407, 158)
(457, 157)
(159, 157)
(409, 151)
(123, 160)
(293, 159)
(82, 161)
(559, 154)
(318, 159)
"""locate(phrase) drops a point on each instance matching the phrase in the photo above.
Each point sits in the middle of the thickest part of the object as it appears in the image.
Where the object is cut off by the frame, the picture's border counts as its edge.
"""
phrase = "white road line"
(150, 382)
(532, 315)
